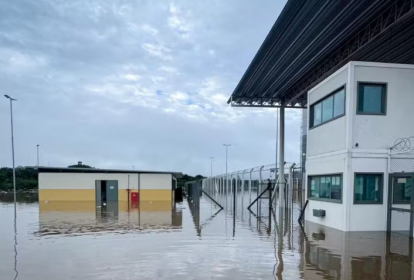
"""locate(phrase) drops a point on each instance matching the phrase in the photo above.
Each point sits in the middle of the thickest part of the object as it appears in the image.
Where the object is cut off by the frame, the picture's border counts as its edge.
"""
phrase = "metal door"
(400, 203)
(111, 191)
(98, 195)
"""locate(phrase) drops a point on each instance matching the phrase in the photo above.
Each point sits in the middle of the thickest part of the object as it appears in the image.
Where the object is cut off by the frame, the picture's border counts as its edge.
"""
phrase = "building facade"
(105, 185)
(355, 119)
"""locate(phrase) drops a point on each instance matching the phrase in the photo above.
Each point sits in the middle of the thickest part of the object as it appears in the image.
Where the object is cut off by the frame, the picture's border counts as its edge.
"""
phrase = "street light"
(227, 146)
(211, 171)
(12, 139)
(37, 155)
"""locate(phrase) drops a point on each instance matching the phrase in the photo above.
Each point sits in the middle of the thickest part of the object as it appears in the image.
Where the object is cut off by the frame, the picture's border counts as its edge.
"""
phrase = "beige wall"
(81, 186)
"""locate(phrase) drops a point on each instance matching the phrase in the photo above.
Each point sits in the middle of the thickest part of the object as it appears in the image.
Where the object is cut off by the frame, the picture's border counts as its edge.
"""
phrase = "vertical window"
(327, 109)
(372, 99)
(402, 190)
(339, 103)
(325, 187)
(368, 188)
(314, 191)
(317, 114)
(336, 191)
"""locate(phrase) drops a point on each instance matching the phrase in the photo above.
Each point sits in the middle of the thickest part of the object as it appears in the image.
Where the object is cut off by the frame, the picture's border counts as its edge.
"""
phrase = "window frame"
(399, 202)
(381, 194)
(384, 97)
(339, 201)
(320, 101)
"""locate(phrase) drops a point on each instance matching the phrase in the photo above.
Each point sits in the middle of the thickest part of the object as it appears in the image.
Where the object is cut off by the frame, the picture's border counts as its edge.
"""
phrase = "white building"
(358, 118)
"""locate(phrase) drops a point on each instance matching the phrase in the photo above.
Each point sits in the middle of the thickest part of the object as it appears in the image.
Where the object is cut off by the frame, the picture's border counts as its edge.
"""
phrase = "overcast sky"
(145, 83)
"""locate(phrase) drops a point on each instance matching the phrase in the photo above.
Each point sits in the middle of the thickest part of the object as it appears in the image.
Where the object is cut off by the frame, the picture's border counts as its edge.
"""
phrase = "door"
(111, 191)
(98, 195)
(400, 203)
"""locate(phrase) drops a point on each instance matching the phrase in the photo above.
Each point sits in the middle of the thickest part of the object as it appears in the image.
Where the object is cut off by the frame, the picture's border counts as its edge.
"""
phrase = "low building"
(105, 185)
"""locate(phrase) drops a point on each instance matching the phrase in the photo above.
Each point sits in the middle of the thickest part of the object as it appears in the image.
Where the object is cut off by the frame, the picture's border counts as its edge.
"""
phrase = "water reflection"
(194, 240)
(84, 217)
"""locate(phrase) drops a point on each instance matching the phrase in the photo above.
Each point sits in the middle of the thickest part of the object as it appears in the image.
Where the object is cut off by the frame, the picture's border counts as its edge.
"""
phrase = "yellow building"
(106, 185)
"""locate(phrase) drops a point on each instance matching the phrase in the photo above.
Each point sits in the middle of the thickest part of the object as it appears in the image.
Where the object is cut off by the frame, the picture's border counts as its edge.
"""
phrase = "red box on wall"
(134, 197)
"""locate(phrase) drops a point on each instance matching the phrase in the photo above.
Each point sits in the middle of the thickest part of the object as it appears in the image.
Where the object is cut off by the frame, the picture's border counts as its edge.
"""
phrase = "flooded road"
(77, 241)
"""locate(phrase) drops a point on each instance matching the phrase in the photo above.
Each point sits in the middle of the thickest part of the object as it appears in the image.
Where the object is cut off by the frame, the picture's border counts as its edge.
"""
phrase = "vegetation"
(80, 165)
(187, 178)
(26, 178)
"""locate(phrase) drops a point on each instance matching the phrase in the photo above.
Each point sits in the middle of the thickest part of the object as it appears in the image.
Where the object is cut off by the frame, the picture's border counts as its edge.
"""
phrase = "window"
(371, 99)
(326, 187)
(329, 108)
(402, 190)
(368, 188)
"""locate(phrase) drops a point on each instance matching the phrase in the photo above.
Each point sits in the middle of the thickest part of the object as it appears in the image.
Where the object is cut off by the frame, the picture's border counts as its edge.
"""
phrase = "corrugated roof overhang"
(311, 39)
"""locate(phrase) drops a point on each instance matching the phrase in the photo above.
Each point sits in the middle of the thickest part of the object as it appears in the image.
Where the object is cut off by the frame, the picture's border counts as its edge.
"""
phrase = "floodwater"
(191, 241)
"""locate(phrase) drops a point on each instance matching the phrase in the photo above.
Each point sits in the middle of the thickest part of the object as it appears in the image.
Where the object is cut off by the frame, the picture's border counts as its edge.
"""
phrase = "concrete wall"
(81, 186)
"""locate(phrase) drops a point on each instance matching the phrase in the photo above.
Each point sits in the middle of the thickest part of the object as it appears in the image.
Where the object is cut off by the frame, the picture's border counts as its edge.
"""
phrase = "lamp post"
(37, 155)
(227, 183)
(12, 139)
(211, 168)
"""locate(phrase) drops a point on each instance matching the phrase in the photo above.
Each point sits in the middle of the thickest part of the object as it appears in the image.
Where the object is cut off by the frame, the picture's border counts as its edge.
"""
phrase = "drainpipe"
(128, 193)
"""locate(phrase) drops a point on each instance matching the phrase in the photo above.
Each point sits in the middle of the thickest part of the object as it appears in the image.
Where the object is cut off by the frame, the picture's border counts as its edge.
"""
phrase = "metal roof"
(43, 169)
(311, 39)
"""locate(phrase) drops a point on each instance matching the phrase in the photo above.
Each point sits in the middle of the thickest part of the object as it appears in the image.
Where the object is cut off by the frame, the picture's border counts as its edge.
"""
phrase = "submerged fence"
(256, 187)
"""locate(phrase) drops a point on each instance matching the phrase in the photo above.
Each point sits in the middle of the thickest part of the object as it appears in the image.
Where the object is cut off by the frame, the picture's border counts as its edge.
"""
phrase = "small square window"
(368, 189)
(372, 99)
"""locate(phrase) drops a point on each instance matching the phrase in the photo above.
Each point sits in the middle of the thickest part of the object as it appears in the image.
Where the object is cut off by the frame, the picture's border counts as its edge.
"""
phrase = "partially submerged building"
(350, 65)
(106, 185)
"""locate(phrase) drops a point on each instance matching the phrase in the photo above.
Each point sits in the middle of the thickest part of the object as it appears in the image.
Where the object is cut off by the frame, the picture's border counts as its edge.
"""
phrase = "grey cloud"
(143, 83)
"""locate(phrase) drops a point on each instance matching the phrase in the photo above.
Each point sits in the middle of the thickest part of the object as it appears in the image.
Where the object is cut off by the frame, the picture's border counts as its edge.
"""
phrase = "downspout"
(128, 193)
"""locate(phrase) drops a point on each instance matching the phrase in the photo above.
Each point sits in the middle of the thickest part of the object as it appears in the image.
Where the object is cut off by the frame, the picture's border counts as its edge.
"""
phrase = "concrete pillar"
(282, 157)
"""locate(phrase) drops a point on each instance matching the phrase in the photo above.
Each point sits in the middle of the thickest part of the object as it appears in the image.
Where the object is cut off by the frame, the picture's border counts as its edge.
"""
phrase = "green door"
(98, 195)
(111, 191)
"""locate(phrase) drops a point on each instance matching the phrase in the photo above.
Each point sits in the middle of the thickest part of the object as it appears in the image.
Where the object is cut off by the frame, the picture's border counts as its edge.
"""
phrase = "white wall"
(156, 181)
(333, 164)
(331, 146)
(318, 142)
(368, 217)
(84, 181)
(380, 132)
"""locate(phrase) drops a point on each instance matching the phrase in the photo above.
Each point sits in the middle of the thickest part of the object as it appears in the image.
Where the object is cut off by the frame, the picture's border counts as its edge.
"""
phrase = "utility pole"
(227, 179)
(211, 171)
(12, 139)
(38, 155)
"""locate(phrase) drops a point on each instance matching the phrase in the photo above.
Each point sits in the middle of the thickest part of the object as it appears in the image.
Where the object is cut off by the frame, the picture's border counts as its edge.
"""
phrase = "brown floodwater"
(64, 240)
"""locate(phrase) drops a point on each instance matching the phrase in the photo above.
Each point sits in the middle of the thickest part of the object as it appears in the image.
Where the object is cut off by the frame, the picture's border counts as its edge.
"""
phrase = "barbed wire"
(404, 144)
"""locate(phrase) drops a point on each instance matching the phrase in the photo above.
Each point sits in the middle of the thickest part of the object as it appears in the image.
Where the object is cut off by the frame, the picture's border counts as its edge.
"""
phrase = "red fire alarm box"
(134, 197)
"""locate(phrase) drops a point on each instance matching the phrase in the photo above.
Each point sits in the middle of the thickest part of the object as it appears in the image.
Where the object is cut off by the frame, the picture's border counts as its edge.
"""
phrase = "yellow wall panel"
(155, 195)
(89, 195)
(66, 195)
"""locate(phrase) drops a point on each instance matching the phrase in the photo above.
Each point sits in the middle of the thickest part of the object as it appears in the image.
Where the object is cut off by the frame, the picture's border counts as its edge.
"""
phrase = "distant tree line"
(26, 178)
(187, 178)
